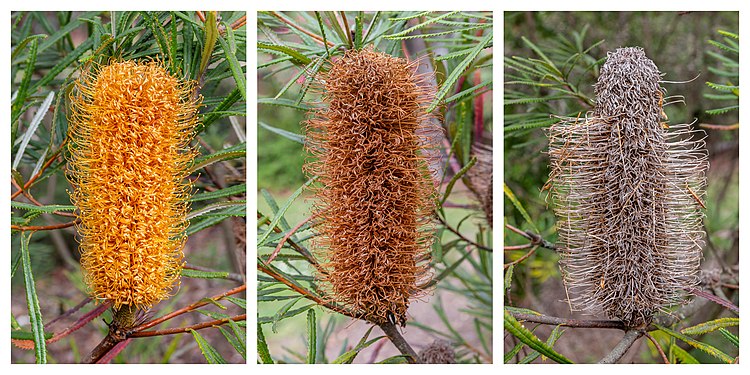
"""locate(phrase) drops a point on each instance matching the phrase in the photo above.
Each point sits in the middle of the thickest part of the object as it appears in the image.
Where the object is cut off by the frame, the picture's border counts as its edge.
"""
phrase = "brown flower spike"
(376, 194)
(628, 194)
(129, 134)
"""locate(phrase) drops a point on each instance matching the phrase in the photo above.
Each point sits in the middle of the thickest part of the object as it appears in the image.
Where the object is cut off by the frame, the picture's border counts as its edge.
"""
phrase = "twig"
(658, 347)
(573, 323)
(394, 335)
(622, 347)
(46, 227)
(720, 127)
(307, 294)
(286, 237)
(348, 31)
(292, 24)
(461, 236)
(46, 165)
(535, 238)
(521, 259)
(304, 252)
(189, 308)
(194, 327)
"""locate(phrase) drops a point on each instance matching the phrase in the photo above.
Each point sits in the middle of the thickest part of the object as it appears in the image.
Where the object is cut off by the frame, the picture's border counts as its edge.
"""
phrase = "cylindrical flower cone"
(375, 195)
(129, 148)
(627, 190)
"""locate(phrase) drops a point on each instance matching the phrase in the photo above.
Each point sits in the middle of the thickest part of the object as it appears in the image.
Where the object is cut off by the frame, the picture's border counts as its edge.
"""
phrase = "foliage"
(294, 47)
(49, 50)
(549, 73)
(727, 55)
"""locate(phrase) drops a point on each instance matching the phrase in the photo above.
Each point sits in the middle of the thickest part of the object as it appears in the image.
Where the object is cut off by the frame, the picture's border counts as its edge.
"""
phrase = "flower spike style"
(130, 129)
(627, 190)
(375, 197)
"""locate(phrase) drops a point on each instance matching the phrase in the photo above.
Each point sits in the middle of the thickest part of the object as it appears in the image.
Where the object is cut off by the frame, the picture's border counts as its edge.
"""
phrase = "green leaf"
(296, 56)
(551, 340)
(719, 111)
(217, 206)
(348, 357)
(508, 277)
(23, 88)
(285, 103)
(519, 206)
(221, 193)
(234, 152)
(26, 335)
(719, 87)
(683, 356)
(209, 352)
(459, 71)
(234, 66)
(284, 133)
(468, 92)
(212, 32)
(731, 337)
(43, 209)
(216, 113)
(38, 117)
(282, 211)
(708, 349)
(32, 301)
(263, 353)
(515, 328)
(312, 336)
(236, 343)
(203, 274)
(419, 26)
(455, 178)
(710, 326)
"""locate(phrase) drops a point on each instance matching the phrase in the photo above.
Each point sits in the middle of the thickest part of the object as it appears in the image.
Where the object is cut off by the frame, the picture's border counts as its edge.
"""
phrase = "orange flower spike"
(130, 129)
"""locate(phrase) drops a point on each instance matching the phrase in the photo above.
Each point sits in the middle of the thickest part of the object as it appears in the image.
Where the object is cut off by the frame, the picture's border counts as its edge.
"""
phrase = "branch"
(535, 238)
(658, 347)
(292, 24)
(44, 167)
(394, 335)
(307, 294)
(45, 227)
(286, 238)
(189, 308)
(573, 323)
(622, 347)
(461, 236)
(194, 327)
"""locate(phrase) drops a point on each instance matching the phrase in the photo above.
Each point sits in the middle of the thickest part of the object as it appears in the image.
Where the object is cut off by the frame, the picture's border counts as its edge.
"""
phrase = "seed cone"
(627, 195)
(375, 194)
(130, 127)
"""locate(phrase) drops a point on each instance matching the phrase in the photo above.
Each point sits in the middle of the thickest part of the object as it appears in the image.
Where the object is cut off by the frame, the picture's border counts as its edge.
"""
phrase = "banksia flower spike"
(376, 194)
(130, 132)
(628, 191)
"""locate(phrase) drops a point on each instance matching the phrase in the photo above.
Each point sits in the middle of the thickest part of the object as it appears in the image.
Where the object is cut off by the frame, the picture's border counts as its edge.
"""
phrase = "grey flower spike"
(627, 190)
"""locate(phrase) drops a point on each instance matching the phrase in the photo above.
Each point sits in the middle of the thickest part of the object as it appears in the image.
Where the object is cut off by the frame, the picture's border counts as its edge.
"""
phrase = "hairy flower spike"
(375, 193)
(129, 135)
(627, 192)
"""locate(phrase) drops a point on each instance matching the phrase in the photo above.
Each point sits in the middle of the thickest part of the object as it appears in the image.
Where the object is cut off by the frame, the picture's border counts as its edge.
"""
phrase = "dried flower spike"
(129, 135)
(627, 193)
(375, 193)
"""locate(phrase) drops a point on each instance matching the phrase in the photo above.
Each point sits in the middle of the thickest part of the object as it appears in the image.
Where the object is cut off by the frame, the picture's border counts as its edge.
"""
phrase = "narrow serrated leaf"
(706, 348)
(209, 352)
(515, 328)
